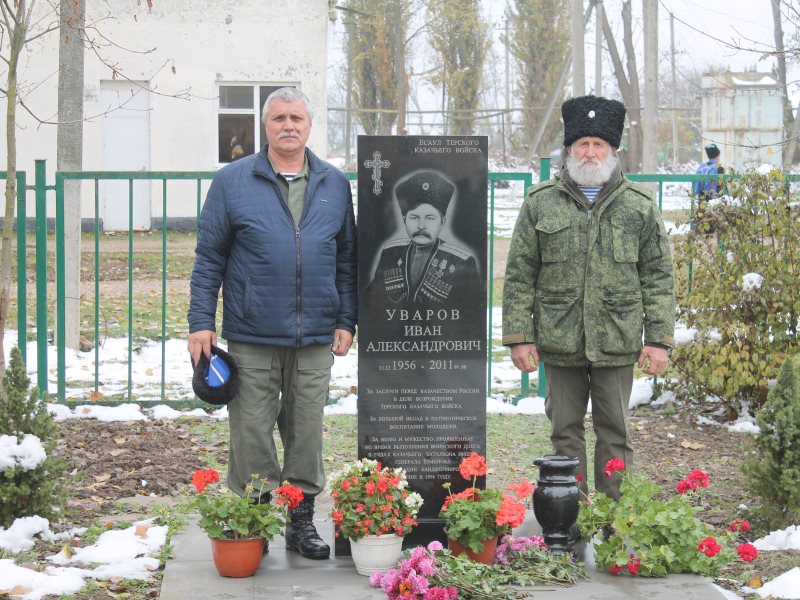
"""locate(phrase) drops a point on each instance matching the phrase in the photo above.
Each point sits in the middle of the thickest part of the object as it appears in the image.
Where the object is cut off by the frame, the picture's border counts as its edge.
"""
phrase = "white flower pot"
(376, 553)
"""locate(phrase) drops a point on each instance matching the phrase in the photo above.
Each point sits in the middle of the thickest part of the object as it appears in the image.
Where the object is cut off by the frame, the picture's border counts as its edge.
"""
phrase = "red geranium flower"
(748, 552)
(473, 465)
(202, 478)
(615, 464)
(633, 565)
(511, 512)
(523, 489)
(709, 546)
(739, 525)
(579, 478)
(615, 569)
(698, 479)
(369, 487)
(684, 486)
(289, 495)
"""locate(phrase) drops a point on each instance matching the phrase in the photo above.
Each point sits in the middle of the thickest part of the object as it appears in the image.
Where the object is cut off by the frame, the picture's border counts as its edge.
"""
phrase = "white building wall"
(184, 49)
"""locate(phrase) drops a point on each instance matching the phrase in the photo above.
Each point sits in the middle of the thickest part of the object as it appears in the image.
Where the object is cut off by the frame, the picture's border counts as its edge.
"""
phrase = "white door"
(126, 147)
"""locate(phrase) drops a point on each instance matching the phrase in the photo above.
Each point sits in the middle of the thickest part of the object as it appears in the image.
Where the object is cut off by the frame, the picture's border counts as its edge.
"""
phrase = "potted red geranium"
(374, 509)
(239, 526)
(475, 518)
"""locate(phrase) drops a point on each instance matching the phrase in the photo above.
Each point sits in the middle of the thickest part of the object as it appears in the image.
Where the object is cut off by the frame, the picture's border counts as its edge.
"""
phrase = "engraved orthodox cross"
(376, 164)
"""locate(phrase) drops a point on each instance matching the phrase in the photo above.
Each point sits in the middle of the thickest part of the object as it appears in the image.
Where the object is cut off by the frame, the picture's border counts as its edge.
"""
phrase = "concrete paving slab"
(283, 575)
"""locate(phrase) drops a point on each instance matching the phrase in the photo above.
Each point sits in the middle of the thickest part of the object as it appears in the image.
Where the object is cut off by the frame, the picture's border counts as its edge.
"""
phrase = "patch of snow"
(765, 169)
(782, 539)
(344, 406)
(122, 412)
(783, 586)
(162, 411)
(58, 583)
(752, 281)
(27, 454)
(20, 535)
(642, 392)
(60, 412)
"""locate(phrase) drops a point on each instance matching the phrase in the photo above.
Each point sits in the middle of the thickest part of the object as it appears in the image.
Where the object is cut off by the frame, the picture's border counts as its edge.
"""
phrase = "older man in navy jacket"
(277, 232)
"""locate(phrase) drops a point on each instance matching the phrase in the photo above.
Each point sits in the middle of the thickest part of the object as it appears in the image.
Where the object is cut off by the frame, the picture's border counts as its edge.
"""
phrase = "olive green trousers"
(287, 386)
(568, 393)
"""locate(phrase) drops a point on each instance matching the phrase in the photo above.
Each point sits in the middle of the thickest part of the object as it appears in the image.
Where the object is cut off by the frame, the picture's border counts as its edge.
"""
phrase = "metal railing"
(41, 188)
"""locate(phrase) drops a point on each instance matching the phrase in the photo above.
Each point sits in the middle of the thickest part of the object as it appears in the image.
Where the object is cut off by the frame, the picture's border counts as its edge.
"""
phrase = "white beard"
(591, 171)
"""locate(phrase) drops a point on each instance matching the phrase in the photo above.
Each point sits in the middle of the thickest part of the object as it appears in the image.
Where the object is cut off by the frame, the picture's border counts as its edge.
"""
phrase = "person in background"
(277, 232)
(589, 277)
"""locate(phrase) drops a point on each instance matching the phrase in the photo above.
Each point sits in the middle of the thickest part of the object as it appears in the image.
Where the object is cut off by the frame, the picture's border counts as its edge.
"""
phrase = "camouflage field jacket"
(583, 281)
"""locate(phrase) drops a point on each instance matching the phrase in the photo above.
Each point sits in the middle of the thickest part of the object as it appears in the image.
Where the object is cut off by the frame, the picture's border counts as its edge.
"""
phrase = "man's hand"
(521, 355)
(656, 359)
(201, 342)
(342, 339)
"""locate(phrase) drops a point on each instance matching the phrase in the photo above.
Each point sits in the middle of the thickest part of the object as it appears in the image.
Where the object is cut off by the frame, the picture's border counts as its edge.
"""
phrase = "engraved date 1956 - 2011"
(445, 364)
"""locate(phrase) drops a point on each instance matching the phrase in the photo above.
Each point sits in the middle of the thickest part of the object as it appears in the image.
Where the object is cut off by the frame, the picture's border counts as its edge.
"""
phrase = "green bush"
(773, 464)
(743, 332)
(37, 491)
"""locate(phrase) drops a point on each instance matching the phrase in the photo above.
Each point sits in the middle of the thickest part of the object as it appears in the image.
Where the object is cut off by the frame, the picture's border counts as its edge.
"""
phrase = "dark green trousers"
(568, 393)
(286, 386)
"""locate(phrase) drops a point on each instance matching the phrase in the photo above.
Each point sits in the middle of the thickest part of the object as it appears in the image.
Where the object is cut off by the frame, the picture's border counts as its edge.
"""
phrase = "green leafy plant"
(227, 516)
(647, 535)
(743, 295)
(370, 499)
(475, 515)
(27, 489)
(773, 463)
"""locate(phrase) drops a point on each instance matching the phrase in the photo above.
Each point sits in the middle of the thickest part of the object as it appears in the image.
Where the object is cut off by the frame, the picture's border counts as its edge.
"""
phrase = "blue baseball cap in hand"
(215, 381)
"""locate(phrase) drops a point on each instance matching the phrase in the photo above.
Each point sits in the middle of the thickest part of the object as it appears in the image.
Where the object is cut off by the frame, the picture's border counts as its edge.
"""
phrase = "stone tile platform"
(283, 575)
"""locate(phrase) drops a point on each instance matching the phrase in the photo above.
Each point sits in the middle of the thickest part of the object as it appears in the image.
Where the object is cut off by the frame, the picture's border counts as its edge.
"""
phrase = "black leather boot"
(265, 498)
(302, 536)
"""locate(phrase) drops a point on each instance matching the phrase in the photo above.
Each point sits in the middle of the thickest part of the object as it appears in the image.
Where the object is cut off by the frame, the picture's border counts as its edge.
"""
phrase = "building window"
(239, 119)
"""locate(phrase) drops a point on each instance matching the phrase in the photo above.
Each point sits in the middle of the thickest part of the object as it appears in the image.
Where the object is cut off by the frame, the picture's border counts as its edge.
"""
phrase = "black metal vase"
(555, 500)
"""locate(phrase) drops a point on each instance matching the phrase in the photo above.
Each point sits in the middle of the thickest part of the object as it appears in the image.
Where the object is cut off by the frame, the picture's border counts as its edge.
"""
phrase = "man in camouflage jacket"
(589, 272)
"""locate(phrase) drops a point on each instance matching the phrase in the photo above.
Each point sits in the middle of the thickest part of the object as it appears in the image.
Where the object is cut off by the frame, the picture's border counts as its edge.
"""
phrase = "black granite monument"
(422, 236)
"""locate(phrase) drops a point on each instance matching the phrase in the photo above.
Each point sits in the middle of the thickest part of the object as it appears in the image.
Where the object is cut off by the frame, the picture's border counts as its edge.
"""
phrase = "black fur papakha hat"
(215, 381)
(424, 187)
(593, 116)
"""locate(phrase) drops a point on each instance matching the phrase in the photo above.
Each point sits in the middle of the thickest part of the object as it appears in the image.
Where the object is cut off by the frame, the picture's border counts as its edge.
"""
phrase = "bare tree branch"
(41, 33)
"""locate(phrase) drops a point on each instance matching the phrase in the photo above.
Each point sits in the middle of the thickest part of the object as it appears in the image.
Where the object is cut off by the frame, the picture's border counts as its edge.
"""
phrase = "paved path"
(286, 576)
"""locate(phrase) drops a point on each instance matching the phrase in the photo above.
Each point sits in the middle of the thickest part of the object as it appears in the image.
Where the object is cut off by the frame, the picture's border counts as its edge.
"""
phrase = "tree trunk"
(16, 42)
(70, 154)
(788, 117)
(634, 103)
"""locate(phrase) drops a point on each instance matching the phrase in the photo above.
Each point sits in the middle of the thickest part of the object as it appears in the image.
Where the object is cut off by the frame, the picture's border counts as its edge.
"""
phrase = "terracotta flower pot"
(485, 556)
(237, 558)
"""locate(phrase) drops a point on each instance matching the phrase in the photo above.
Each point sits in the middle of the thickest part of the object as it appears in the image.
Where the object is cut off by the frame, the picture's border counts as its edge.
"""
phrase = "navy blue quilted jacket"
(281, 284)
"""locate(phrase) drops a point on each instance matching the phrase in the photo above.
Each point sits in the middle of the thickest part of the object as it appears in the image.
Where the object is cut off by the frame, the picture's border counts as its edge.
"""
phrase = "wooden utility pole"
(650, 113)
(506, 113)
(674, 90)
(70, 154)
(578, 58)
(598, 48)
(348, 115)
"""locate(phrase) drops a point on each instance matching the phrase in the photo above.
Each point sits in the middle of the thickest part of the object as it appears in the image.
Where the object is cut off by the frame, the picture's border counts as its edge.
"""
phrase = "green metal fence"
(166, 177)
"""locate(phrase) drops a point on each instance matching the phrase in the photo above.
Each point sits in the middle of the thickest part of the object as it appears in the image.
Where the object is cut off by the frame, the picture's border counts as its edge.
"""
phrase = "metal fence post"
(61, 292)
(41, 275)
(22, 268)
